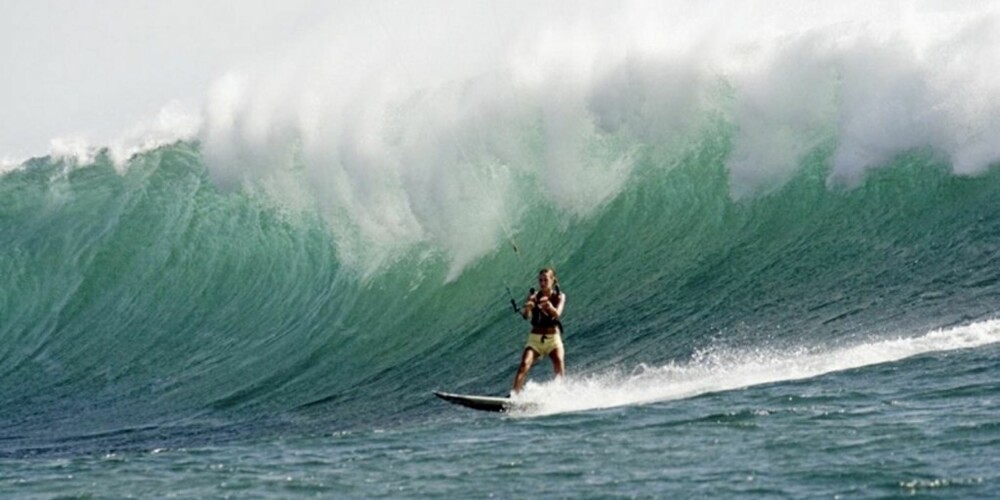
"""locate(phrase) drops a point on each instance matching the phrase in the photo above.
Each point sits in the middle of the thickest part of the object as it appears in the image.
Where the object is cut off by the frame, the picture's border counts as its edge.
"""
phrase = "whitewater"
(778, 230)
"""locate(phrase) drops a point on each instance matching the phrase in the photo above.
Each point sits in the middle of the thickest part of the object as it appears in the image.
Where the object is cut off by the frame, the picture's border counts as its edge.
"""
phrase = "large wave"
(333, 243)
(392, 133)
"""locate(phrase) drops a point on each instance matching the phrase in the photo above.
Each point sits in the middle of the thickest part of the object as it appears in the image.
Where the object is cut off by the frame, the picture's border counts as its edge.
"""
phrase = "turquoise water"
(164, 336)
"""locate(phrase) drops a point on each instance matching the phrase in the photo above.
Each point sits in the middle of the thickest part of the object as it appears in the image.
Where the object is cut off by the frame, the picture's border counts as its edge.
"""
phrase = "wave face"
(151, 301)
(331, 269)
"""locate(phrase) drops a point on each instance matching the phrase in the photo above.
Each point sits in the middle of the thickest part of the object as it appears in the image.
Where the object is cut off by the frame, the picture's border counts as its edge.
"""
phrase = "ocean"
(769, 293)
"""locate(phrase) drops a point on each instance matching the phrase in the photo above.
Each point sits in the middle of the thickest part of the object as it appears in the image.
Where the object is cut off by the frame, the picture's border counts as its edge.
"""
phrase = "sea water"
(781, 259)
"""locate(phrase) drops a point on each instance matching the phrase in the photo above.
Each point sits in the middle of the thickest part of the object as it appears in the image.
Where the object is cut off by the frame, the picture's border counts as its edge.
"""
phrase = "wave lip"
(724, 371)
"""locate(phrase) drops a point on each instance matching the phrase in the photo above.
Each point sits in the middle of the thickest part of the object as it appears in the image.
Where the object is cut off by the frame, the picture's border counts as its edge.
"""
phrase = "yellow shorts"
(544, 344)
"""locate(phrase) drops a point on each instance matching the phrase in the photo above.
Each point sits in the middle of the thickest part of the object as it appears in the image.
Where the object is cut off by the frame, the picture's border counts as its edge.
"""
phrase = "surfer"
(544, 309)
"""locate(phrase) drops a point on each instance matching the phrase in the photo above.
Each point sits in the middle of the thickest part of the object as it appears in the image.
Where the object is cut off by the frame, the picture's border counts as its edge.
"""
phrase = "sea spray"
(716, 370)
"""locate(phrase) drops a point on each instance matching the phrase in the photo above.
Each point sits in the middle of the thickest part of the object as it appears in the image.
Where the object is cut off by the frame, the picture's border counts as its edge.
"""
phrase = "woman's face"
(544, 281)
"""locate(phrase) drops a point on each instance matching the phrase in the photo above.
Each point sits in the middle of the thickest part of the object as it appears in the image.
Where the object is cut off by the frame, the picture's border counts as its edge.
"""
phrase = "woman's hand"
(545, 305)
(529, 305)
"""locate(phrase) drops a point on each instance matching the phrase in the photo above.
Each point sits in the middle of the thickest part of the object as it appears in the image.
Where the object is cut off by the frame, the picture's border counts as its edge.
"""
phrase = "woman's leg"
(558, 361)
(527, 359)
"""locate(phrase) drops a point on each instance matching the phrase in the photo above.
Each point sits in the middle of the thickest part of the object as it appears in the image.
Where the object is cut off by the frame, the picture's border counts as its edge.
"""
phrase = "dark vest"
(542, 320)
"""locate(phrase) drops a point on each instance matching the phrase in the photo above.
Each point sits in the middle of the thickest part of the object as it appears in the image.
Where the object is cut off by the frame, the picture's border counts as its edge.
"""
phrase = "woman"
(544, 309)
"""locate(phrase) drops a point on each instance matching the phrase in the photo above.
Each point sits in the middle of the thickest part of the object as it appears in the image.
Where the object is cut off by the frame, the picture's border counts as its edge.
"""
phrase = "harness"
(541, 320)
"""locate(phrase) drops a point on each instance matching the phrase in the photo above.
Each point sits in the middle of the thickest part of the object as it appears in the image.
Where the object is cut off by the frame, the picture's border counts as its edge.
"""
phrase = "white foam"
(75, 149)
(725, 370)
(9, 163)
(171, 124)
(408, 128)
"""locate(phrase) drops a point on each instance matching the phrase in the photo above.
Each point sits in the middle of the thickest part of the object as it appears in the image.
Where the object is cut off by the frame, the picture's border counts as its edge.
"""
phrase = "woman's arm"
(529, 304)
(553, 311)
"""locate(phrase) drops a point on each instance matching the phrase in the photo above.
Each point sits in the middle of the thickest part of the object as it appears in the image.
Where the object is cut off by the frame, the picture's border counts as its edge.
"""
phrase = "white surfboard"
(483, 403)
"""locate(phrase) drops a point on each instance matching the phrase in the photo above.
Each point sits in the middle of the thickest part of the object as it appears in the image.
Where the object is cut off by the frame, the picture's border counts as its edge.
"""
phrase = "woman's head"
(547, 278)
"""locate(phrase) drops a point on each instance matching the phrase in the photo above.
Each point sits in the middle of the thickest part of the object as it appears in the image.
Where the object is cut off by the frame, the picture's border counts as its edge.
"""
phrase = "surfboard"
(482, 403)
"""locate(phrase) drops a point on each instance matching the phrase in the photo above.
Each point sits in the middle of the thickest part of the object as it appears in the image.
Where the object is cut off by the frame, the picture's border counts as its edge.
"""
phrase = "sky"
(94, 69)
